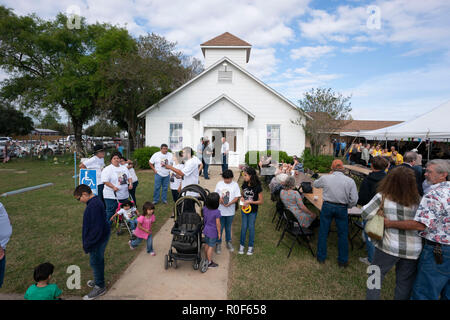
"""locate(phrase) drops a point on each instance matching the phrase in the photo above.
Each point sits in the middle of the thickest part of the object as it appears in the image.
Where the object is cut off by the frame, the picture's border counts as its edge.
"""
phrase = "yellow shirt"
(376, 153)
(399, 159)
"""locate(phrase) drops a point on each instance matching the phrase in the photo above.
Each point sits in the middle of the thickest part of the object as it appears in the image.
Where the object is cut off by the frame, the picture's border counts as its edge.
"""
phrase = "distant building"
(44, 132)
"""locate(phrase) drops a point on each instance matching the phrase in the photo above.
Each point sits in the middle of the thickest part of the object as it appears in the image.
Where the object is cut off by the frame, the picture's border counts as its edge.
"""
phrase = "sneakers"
(241, 249)
(96, 292)
(212, 264)
(153, 253)
(365, 260)
(230, 246)
(91, 283)
(131, 247)
(250, 251)
(218, 248)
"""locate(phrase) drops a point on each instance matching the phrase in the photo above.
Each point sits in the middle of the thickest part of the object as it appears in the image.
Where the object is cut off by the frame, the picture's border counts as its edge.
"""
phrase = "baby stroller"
(120, 223)
(187, 230)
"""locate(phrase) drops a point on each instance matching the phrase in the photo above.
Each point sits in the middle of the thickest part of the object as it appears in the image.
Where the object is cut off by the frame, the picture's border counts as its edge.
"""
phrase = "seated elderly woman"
(293, 201)
(277, 183)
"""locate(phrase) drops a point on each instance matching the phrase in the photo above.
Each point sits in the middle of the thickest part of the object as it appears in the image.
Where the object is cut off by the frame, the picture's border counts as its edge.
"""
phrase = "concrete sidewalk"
(146, 278)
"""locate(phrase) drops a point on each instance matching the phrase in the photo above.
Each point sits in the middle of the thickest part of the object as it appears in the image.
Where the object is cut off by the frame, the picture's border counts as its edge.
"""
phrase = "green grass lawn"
(269, 274)
(47, 226)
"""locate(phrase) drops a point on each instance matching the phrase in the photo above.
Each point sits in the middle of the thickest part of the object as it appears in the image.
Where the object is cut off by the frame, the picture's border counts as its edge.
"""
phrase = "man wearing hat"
(339, 194)
(97, 163)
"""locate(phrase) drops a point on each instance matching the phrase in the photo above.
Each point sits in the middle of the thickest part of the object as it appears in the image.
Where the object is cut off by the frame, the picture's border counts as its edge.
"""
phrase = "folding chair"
(295, 229)
(354, 221)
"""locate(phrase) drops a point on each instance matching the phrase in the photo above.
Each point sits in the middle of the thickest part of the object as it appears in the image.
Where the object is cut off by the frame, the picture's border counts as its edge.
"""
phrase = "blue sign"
(89, 178)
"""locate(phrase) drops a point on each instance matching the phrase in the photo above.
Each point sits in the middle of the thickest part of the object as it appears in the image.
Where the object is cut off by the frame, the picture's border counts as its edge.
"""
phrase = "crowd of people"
(415, 205)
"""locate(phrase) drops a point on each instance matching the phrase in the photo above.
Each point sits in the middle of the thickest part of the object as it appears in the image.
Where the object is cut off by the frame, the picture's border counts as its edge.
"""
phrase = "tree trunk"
(77, 128)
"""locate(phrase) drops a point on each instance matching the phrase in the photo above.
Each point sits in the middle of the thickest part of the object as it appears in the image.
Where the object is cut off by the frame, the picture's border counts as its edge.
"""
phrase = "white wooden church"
(225, 100)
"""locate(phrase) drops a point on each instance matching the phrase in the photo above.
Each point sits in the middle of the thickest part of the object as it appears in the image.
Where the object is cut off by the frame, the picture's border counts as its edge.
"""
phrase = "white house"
(225, 100)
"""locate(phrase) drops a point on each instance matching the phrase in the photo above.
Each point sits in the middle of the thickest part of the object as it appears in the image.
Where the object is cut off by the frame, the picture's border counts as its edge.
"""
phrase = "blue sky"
(396, 69)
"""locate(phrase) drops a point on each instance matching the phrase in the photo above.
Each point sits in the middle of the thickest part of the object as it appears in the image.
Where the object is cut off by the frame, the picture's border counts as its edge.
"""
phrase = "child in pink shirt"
(143, 230)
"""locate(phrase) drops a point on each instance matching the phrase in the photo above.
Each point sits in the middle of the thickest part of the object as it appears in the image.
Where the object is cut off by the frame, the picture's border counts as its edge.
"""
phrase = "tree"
(102, 128)
(136, 79)
(51, 66)
(330, 112)
(13, 121)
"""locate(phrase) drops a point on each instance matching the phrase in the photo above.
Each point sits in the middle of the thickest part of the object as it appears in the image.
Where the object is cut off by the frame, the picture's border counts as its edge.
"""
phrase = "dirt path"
(146, 278)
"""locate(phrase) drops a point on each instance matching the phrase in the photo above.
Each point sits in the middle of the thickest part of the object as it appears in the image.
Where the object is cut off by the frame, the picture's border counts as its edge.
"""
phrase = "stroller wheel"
(204, 265)
(166, 262)
(195, 265)
(175, 264)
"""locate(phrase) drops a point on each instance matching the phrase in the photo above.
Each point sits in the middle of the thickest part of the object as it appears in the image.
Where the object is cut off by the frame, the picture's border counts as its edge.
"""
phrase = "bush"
(321, 163)
(142, 155)
(283, 157)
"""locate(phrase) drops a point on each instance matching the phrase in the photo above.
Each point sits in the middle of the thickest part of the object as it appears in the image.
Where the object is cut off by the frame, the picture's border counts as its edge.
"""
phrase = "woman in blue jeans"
(251, 196)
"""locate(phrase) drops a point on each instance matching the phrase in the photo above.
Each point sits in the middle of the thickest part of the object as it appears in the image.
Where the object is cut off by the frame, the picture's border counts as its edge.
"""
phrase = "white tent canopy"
(434, 125)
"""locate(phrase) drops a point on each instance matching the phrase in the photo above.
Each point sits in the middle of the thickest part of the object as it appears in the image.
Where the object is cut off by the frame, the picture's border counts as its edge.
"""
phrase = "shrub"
(142, 155)
(320, 163)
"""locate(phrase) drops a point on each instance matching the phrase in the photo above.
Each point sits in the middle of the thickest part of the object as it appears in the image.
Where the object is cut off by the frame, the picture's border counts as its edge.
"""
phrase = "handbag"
(307, 187)
(375, 226)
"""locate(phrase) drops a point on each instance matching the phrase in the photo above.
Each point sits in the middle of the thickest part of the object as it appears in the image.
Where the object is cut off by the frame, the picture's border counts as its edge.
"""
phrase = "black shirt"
(251, 193)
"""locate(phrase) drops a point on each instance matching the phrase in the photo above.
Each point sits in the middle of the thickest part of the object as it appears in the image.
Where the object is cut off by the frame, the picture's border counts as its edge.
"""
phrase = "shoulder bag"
(375, 226)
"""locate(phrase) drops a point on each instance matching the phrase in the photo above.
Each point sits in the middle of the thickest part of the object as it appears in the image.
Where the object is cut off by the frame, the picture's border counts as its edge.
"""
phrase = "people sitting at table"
(292, 200)
(398, 198)
(339, 193)
(367, 191)
(298, 166)
(276, 184)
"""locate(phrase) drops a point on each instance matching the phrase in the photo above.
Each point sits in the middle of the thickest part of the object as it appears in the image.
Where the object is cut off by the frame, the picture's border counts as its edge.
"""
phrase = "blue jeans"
(132, 224)
(137, 241)
(370, 248)
(205, 170)
(225, 223)
(160, 182)
(248, 222)
(224, 162)
(433, 280)
(111, 207)
(340, 214)
(100, 188)
(133, 192)
(2, 270)
(97, 262)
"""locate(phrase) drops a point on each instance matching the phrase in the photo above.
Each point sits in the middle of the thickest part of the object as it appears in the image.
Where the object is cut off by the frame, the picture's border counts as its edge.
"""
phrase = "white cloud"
(310, 53)
(357, 49)
(263, 62)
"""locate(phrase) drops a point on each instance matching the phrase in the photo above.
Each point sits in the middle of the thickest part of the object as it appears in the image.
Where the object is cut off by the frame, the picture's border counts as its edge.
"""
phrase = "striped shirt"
(399, 243)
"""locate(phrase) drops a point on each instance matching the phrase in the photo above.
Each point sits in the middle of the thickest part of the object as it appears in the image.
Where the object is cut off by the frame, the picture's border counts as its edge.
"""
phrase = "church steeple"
(226, 45)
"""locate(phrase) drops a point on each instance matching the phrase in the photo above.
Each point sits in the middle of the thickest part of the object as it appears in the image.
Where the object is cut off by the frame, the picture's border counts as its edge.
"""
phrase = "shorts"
(210, 241)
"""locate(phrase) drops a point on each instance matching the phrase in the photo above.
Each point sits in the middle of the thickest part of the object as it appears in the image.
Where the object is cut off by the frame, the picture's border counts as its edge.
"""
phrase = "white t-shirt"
(225, 147)
(190, 171)
(128, 214)
(97, 164)
(228, 192)
(156, 160)
(174, 182)
(118, 176)
(134, 177)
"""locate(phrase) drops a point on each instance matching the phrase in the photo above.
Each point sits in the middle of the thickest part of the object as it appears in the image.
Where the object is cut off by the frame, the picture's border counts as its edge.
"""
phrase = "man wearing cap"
(339, 193)
(97, 163)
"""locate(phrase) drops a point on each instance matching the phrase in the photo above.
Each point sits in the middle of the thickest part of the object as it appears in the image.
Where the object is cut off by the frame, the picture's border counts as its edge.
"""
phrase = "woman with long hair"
(251, 197)
(398, 198)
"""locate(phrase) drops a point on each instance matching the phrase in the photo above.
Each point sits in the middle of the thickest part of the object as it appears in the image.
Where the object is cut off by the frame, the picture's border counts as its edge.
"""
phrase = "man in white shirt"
(97, 162)
(224, 150)
(189, 174)
(158, 162)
